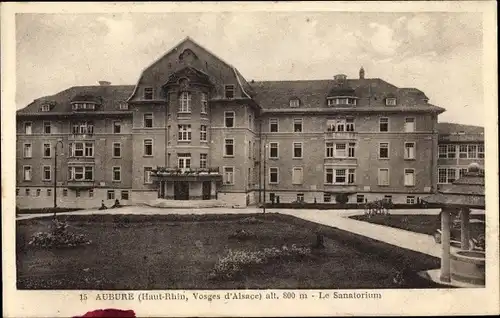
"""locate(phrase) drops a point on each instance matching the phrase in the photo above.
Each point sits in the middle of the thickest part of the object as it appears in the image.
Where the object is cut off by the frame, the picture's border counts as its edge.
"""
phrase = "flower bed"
(232, 264)
(58, 236)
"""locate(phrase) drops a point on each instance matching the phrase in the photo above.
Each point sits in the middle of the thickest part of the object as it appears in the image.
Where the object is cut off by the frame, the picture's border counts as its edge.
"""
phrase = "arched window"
(185, 102)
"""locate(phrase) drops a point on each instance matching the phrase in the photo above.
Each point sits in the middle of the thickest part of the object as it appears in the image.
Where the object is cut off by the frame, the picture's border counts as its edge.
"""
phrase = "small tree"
(341, 198)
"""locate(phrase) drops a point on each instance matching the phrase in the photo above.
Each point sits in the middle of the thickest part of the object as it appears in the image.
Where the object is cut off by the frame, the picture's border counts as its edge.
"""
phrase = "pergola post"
(465, 228)
(445, 245)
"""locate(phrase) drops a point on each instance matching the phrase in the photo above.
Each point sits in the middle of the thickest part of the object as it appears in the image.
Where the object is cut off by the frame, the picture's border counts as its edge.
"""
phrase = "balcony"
(81, 136)
(341, 135)
(186, 173)
(80, 184)
(340, 188)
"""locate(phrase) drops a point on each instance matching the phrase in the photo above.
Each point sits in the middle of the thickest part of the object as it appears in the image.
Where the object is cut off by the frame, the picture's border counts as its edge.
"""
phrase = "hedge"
(339, 206)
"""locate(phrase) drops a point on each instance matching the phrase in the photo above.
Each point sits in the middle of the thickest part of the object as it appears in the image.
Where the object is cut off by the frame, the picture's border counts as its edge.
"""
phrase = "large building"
(194, 128)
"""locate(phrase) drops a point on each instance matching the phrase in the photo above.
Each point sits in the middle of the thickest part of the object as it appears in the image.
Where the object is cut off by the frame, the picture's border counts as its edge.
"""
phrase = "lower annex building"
(193, 128)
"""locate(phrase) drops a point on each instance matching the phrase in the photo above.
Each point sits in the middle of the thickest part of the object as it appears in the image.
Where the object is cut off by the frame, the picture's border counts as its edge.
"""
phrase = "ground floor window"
(360, 198)
(300, 197)
(124, 195)
(38, 192)
(17, 192)
(65, 192)
(49, 192)
(410, 199)
(327, 197)
(27, 192)
(77, 193)
(388, 197)
(91, 193)
(272, 197)
(111, 194)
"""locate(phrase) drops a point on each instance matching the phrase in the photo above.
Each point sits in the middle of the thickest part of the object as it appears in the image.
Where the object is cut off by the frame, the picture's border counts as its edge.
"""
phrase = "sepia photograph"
(262, 155)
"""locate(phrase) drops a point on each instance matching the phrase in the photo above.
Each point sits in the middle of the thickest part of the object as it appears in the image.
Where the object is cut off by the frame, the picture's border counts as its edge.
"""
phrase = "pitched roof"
(452, 128)
(111, 96)
(371, 93)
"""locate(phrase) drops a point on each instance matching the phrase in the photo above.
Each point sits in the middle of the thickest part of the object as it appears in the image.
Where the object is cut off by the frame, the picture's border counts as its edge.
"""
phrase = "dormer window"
(390, 101)
(295, 102)
(336, 101)
(229, 91)
(123, 106)
(148, 93)
(83, 106)
(45, 108)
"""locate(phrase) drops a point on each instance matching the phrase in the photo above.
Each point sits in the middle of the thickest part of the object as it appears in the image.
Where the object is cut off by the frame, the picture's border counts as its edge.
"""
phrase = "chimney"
(361, 73)
(104, 83)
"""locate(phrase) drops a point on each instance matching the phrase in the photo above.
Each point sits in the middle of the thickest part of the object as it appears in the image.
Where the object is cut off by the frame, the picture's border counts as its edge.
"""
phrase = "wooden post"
(445, 246)
(465, 228)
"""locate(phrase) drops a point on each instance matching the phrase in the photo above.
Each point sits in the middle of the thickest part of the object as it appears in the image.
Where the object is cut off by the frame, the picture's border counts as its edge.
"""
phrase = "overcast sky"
(439, 53)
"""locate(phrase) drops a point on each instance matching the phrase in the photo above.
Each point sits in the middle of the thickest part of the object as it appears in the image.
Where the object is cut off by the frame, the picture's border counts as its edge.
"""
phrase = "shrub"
(242, 235)
(232, 264)
(58, 236)
(250, 220)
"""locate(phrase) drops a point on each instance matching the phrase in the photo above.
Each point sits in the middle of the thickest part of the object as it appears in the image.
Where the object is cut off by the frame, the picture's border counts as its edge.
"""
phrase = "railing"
(163, 171)
(341, 134)
(81, 184)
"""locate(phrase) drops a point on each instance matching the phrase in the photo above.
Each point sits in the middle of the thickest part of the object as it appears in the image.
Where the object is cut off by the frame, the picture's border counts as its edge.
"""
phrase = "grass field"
(179, 252)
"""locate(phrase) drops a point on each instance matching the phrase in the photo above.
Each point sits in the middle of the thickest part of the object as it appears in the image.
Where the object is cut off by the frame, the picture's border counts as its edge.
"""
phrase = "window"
(91, 193)
(229, 91)
(47, 127)
(147, 175)
(349, 124)
(148, 147)
(480, 151)
(117, 173)
(249, 149)
(250, 121)
(410, 199)
(462, 172)
(148, 93)
(409, 150)
(28, 151)
(111, 194)
(472, 151)
(273, 150)
(452, 151)
(117, 127)
(38, 191)
(384, 124)
(229, 119)
(273, 175)
(123, 106)
(451, 174)
(228, 175)
(329, 150)
(28, 128)
(184, 160)
(294, 102)
(45, 108)
(329, 176)
(117, 150)
(390, 102)
(203, 133)
(17, 192)
(83, 106)
(297, 175)
(229, 147)
(409, 124)
(27, 192)
(204, 103)
(388, 198)
(124, 195)
(297, 150)
(360, 198)
(89, 149)
(81, 149)
(272, 197)
(340, 176)
(351, 176)
(80, 173)
(443, 151)
(273, 125)
(78, 149)
(185, 102)
(184, 133)
(351, 150)
(327, 197)
(203, 160)
(27, 173)
(65, 192)
(383, 177)
(340, 151)
(81, 128)
(49, 192)
(383, 150)
(300, 197)
(462, 151)
(297, 125)
(148, 120)
(47, 149)
(77, 193)
(442, 175)
(409, 177)
(46, 173)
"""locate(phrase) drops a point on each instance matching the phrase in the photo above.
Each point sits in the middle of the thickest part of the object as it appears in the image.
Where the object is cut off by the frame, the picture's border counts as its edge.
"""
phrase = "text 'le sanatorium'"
(232, 295)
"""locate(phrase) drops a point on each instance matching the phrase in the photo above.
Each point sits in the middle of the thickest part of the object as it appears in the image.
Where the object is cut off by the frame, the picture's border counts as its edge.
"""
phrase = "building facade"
(194, 128)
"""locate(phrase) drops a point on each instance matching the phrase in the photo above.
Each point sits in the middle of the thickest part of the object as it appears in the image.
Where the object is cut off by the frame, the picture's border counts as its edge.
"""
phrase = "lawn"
(180, 251)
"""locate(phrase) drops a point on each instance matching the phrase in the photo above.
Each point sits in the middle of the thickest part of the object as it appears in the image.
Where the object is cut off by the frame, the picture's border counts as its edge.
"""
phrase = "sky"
(438, 53)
